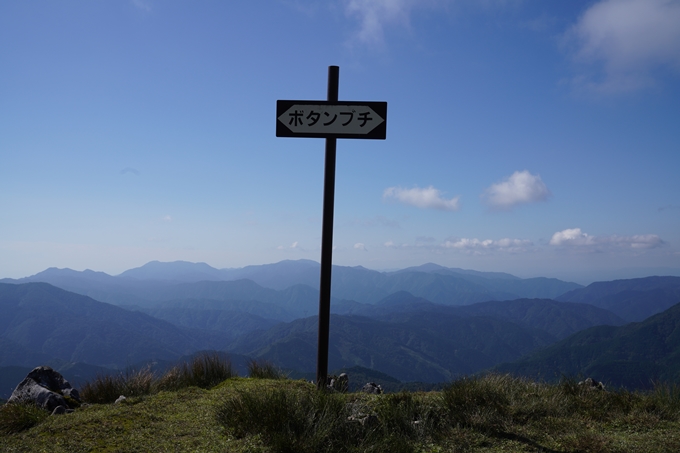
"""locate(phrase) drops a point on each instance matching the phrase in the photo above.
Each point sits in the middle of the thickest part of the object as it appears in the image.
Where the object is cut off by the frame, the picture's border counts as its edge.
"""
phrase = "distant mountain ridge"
(428, 347)
(636, 355)
(436, 268)
(48, 322)
(559, 319)
(158, 281)
(182, 271)
(634, 300)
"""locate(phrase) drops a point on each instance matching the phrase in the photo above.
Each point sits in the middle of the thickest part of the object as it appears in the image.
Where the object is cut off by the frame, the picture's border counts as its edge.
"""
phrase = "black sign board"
(326, 119)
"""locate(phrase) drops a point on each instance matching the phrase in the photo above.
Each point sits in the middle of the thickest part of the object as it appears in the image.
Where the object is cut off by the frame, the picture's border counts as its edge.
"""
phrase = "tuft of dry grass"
(264, 370)
(107, 388)
(18, 417)
(290, 421)
(205, 371)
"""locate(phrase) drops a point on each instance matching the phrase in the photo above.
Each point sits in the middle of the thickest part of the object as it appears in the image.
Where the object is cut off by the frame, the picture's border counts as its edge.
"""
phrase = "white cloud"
(571, 236)
(142, 4)
(373, 15)
(520, 188)
(427, 198)
(469, 246)
(294, 246)
(639, 241)
(360, 246)
(465, 243)
(626, 40)
(167, 218)
(392, 245)
(478, 246)
(574, 237)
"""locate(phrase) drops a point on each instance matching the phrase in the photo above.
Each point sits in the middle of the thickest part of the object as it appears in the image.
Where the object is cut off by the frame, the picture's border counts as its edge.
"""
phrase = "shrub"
(264, 370)
(17, 417)
(478, 402)
(205, 371)
(594, 404)
(289, 421)
(664, 401)
(139, 383)
(106, 389)
(315, 421)
(405, 419)
(103, 389)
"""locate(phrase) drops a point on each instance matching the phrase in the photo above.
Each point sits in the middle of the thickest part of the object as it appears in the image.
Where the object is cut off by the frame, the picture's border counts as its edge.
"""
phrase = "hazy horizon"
(576, 277)
(528, 137)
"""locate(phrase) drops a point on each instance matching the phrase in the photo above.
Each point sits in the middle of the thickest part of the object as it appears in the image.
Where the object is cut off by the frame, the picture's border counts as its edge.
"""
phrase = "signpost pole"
(331, 120)
(327, 241)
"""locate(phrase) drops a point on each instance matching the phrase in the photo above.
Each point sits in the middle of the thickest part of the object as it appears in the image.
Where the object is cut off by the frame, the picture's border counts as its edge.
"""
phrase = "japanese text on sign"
(298, 117)
(356, 120)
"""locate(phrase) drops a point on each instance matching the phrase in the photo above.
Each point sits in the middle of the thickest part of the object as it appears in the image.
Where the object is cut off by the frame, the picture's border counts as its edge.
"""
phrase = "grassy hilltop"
(268, 413)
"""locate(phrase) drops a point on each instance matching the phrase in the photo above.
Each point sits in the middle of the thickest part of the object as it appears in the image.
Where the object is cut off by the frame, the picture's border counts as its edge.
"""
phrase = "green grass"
(490, 414)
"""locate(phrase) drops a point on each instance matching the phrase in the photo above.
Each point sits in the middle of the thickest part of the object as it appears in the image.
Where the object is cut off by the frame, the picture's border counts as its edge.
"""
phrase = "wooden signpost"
(331, 120)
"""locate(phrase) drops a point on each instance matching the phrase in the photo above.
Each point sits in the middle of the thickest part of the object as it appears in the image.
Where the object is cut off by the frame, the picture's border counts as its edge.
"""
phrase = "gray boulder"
(47, 389)
(339, 383)
(372, 388)
(591, 384)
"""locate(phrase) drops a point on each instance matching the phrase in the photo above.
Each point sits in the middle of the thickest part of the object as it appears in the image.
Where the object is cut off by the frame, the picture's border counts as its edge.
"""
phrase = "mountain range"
(157, 281)
(637, 355)
(428, 323)
(634, 299)
(42, 322)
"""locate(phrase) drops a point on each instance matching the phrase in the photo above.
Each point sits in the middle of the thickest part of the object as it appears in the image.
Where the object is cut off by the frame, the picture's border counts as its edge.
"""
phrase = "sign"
(330, 119)
(327, 119)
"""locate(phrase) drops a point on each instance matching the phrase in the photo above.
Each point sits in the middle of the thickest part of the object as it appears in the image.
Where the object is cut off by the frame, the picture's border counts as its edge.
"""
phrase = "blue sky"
(531, 137)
